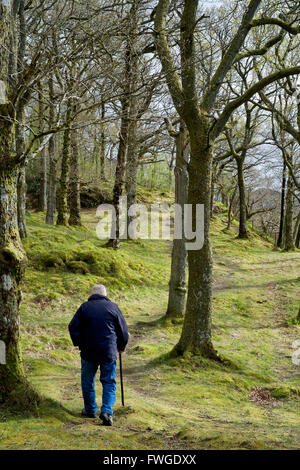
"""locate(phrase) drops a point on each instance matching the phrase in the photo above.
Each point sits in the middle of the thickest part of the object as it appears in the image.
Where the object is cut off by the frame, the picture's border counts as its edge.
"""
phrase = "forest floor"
(183, 403)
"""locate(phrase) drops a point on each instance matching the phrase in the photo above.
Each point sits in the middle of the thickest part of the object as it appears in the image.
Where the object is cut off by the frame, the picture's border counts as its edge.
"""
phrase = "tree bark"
(297, 232)
(132, 161)
(21, 181)
(62, 203)
(42, 159)
(52, 181)
(21, 190)
(282, 207)
(132, 151)
(242, 200)
(51, 190)
(124, 129)
(12, 255)
(212, 190)
(12, 265)
(177, 284)
(74, 187)
(114, 241)
(19, 52)
(231, 200)
(102, 143)
(14, 389)
(289, 210)
(196, 331)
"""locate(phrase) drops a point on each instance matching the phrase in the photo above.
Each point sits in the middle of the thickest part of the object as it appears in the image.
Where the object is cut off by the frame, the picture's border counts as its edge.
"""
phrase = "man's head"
(99, 289)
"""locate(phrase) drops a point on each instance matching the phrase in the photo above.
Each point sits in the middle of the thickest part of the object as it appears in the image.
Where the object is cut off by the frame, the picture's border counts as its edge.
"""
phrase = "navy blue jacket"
(98, 328)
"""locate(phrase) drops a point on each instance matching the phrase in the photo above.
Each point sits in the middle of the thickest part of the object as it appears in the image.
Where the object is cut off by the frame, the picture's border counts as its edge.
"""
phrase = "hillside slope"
(170, 403)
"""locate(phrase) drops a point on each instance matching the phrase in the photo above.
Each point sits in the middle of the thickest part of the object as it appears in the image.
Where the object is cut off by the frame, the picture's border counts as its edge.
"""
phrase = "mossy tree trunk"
(52, 178)
(74, 187)
(12, 256)
(21, 191)
(230, 205)
(102, 143)
(297, 232)
(242, 199)
(196, 331)
(289, 211)
(134, 115)
(212, 190)
(282, 206)
(129, 74)
(12, 263)
(177, 284)
(240, 157)
(132, 157)
(21, 181)
(42, 156)
(120, 174)
(62, 202)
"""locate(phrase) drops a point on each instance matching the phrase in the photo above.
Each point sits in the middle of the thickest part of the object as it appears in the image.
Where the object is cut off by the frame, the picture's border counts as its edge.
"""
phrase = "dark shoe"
(107, 419)
(88, 415)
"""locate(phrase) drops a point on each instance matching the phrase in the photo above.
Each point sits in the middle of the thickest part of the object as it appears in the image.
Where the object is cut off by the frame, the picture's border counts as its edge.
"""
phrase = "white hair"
(99, 289)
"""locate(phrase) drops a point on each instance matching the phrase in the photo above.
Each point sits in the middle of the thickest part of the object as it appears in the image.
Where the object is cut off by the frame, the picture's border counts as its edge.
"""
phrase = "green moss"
(78, 267)
(284, 391)
(256, 291)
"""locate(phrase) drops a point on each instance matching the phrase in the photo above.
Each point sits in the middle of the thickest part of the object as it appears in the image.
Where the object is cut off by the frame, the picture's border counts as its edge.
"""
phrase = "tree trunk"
(242, 200)
(62, 203)
(132, 153)
(289, 210)
(132, 163)
(42, 159)
(43, 180)
(51, 190)
(12, 265)
(177, 285)
(282, 204)
(21, 182)
(74, 199)
(231, 200)
(130, 55)
(11, 251)
(21, 190)
(196, 331)
(212, 190)
(297, 233)
(13, 387)
(102, 143)
(120, 175)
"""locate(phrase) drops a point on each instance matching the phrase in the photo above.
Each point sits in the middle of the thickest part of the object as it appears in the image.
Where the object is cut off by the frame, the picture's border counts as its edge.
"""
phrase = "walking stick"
(121, 378)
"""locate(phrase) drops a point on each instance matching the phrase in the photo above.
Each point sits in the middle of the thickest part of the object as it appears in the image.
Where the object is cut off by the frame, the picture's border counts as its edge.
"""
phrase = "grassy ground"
(182, 403)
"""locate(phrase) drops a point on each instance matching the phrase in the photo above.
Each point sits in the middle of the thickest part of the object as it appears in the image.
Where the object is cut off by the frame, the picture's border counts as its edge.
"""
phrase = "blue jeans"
(107, 378)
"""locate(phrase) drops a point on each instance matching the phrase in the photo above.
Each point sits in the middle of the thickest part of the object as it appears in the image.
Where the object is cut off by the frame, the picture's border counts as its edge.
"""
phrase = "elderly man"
(99, 329)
